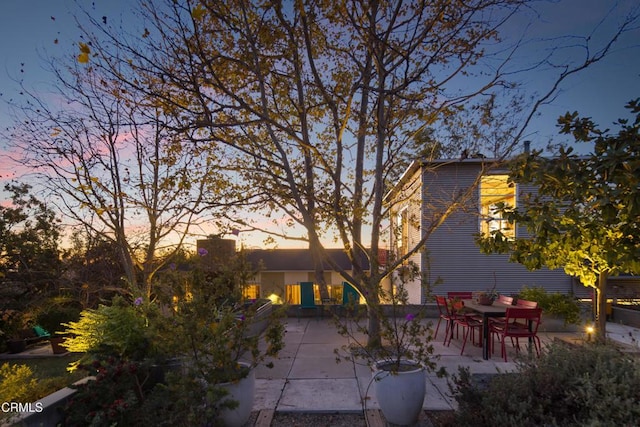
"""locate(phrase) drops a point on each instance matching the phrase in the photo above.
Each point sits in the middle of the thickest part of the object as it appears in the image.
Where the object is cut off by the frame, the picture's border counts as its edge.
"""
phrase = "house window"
(292, 294)
(495, 189)
(251, 291)
(335, 292)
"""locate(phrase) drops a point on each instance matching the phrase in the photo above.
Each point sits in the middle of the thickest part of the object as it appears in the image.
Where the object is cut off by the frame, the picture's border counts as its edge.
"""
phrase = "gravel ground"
(317, 420)
(297, 419)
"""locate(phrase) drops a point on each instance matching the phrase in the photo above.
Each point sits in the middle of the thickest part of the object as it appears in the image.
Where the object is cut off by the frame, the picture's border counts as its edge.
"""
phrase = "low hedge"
(587, 385)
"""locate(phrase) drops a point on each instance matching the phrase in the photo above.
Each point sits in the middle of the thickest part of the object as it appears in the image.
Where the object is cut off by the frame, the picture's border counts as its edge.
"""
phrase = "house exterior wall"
(407, 212)
(452, 255)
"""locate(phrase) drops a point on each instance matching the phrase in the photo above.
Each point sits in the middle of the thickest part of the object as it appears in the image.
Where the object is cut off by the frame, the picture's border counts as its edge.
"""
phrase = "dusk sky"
(30, 29)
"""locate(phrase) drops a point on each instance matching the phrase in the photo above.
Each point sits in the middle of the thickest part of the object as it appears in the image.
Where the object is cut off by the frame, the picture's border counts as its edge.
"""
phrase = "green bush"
(590, 385)
(118, 330)
(113, 397)
(18, 384)
(53, 318)
(563, 305)
(21, 383)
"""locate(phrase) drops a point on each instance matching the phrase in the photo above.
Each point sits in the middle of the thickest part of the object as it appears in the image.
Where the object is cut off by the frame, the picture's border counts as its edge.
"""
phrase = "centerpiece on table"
(486, 297)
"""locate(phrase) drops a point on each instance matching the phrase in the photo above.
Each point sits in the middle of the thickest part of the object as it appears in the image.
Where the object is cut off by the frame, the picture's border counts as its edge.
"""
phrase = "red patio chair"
(526, 303)
(514, 327)
(460, 294)
(505, 299)
(445, 314)
(468, 323)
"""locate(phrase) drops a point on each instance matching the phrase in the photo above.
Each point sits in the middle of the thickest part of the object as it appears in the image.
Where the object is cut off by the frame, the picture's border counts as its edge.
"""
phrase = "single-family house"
(281, 273)
(448, 202)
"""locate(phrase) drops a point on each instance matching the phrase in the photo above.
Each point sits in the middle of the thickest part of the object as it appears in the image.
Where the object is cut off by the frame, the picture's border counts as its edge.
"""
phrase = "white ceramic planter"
(401, 395)
(243, 392)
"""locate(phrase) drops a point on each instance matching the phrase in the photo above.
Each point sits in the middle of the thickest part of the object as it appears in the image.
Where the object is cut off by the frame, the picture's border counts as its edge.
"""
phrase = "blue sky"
(29, 29)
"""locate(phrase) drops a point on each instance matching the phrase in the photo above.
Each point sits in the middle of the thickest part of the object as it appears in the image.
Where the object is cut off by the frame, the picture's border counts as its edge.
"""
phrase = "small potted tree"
(400, 362)
(12, 325)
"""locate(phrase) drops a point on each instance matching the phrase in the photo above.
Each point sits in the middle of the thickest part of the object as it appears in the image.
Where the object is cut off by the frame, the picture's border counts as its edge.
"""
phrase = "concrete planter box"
(429, 309)
(46, 411)
(626, 316)
(555, 323)
(260, 321)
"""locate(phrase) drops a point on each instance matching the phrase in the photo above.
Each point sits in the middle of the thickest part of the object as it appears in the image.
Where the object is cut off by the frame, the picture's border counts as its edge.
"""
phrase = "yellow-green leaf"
(198, 12)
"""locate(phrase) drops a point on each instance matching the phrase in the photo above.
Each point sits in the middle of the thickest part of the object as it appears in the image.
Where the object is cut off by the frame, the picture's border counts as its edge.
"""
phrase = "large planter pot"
(56, 345)
(16, 346)
(158, 371)
(242, 392)
(401, 394)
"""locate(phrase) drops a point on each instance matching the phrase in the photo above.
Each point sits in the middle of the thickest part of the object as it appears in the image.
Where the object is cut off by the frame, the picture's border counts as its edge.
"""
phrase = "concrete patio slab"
(324, 350)
(437, 397)
(321, 395)
(267, 393)
(320, 367)
(281, 369)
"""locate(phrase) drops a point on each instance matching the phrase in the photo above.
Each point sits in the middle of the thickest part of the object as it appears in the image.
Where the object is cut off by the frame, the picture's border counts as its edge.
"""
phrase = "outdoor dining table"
(497, 309)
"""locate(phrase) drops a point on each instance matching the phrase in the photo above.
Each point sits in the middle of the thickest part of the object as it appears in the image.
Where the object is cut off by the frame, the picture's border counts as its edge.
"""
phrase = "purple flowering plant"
(406, 335)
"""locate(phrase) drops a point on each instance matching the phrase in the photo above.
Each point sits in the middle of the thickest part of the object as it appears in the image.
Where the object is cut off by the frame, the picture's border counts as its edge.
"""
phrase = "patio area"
(306, 377)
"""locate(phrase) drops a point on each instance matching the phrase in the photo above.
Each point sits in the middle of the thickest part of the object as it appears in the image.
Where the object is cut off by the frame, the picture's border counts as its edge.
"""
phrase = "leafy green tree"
(585, 215)
(30, 263)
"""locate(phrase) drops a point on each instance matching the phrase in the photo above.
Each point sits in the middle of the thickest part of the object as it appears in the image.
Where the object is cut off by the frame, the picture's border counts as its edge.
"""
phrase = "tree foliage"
(315, 107)
(585, 215)
(30, 263)
(115, 166)
(317, 104)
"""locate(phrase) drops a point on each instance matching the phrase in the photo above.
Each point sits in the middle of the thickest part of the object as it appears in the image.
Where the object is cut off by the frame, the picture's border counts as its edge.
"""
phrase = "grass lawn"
(49, 367)
(49, 374)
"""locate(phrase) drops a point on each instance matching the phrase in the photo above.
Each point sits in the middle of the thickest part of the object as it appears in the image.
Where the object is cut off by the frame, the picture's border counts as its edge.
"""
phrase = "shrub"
(589, 385)
(563, 305)
(53, 317)
(18, 384)
(118, 330)
(112, 398)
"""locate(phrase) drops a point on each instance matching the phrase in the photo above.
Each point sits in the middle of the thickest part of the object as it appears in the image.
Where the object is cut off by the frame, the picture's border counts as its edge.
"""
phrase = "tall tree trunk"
(316, 248)
(601, 307)
(374, 339)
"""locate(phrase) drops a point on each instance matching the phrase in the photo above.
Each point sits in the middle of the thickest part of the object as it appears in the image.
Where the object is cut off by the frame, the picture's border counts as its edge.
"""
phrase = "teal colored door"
(307, 299)
(349, 295)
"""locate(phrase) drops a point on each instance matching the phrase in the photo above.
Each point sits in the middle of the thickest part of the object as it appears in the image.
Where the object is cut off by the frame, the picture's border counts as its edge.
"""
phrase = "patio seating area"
(306, 377)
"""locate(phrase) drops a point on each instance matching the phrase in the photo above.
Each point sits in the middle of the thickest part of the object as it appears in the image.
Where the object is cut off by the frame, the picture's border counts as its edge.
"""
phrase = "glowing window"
(292, 294)
(495, 189)
(251, 291)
